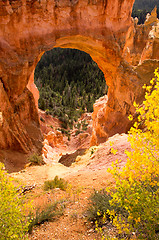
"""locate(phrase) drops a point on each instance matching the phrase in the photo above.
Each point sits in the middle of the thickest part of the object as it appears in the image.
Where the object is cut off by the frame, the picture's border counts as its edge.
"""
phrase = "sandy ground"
(88, 172)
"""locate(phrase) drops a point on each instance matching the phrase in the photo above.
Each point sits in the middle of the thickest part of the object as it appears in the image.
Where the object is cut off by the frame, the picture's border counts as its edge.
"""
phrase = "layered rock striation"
(28, 28)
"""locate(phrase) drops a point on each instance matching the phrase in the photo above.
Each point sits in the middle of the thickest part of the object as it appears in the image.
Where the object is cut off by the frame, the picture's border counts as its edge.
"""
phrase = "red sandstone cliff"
(28, 28)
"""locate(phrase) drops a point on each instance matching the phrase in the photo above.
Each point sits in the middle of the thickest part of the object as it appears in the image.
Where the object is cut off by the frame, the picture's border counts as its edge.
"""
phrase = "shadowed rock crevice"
(68, 159)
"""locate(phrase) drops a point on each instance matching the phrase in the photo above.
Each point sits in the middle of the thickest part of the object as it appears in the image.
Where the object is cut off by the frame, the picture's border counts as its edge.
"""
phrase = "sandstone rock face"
(55, 138)
(141, 50)
(99, 134)
(103, 126)
(142, 40)
(53, 146)
(33, 89)
(151, 50)
(152, 19)
(28, 28)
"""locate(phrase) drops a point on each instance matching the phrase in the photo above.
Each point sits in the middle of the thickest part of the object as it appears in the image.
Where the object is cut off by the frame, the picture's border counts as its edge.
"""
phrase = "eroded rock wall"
(141, 51)
(28, 28)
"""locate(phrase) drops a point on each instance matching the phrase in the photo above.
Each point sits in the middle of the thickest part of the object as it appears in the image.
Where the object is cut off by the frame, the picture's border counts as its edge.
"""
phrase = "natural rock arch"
(30, 27)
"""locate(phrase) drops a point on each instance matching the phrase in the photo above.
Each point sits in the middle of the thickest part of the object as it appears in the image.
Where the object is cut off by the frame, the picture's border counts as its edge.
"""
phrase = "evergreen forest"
(142, 7)
(69, 82)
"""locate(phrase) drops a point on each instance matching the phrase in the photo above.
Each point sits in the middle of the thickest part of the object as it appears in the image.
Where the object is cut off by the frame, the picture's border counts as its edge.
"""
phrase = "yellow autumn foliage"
(137, 184)
(13, 221)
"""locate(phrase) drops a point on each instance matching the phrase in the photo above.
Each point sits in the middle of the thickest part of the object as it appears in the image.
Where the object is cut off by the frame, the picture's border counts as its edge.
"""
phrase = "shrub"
(77, 132)
(137, 185)
(47, 111)
(36, 159)
(98, 205)
(49, 212)
(84, 125)
(78, 125)
(13, 221)
(64, 122)
(56, 183)
(42, 119)
(92, 151)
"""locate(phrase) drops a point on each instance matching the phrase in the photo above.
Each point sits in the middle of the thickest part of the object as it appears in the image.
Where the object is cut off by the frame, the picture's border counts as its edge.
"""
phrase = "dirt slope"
(88, 172)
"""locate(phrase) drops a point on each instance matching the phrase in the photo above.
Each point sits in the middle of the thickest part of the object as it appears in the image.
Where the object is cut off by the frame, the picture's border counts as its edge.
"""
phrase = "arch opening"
(69, 82)
(107, 58)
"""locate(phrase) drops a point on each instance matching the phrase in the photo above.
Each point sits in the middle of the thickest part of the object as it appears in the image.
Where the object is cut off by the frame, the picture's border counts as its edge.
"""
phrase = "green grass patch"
(55, 183)
(36, 159)
(49, 212)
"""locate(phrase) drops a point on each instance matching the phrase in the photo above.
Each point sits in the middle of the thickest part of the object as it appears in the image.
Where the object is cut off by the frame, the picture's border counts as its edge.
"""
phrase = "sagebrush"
(36, 159)
(55, 183)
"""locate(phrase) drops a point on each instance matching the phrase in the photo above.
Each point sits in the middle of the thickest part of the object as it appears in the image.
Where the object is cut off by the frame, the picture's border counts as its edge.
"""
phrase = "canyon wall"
(140, 56)
(102, 28)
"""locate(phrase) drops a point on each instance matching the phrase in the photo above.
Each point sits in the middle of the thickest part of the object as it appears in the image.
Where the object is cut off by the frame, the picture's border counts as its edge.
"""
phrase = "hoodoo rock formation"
(102, 28)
